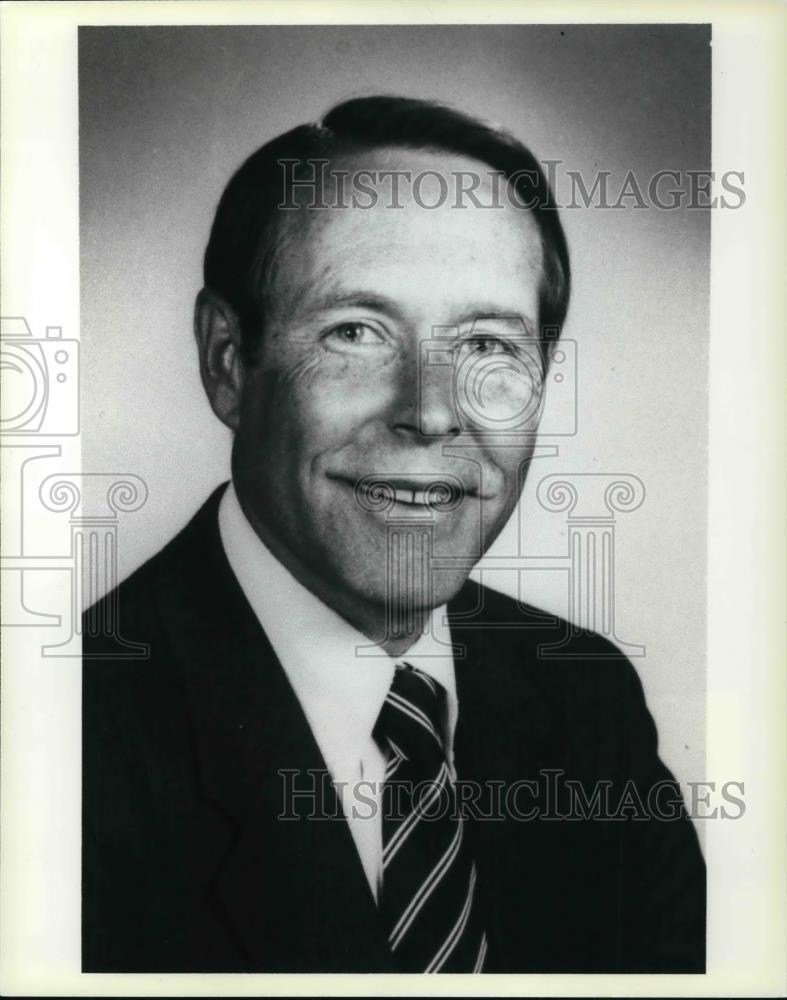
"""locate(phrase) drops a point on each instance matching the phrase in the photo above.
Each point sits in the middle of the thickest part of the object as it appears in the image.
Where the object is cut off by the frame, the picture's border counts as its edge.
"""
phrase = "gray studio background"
(166, 114)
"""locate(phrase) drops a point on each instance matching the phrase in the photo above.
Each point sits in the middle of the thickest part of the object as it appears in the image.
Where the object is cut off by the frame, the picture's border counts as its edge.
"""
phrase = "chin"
(397, 569)
(409, 591)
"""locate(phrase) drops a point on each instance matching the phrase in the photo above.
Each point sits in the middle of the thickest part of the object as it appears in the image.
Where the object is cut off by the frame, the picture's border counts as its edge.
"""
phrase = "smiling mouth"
(381, 493)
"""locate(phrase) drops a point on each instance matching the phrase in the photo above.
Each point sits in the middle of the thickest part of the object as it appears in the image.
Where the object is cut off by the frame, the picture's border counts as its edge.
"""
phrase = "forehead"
(464, 247)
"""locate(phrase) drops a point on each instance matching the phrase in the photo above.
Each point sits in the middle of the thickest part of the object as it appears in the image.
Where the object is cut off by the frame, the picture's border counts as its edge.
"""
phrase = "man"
(340, 755)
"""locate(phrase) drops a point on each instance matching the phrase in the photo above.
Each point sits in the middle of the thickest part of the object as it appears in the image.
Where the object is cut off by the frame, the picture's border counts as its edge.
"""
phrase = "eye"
(355, 334)
(485, 346)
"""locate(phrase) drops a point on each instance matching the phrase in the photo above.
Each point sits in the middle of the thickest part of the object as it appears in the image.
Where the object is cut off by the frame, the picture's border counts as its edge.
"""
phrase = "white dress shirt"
(339, 677)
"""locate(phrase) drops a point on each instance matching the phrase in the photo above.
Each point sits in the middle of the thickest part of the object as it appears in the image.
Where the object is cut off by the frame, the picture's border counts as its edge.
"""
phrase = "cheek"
(320, 399)
(510, 458)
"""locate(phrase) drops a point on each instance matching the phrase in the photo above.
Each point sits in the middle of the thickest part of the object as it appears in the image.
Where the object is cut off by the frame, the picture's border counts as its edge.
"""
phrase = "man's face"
(400, 344)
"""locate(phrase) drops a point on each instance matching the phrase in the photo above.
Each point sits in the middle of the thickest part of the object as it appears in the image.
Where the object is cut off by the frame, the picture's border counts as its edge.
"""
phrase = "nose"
(426, 406)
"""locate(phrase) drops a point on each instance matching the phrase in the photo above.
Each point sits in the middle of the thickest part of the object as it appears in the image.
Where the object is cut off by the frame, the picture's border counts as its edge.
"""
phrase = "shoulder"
(579, 672)
(550, 677)
(180, 565)
(545, 638)
(132, 639)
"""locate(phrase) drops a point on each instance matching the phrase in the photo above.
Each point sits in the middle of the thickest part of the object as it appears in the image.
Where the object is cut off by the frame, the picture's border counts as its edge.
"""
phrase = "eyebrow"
(375, 302)
(485, 313)
(357, 299)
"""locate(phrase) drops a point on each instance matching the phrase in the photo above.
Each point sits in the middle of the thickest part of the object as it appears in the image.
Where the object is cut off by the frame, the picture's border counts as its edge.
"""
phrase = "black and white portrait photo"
(376, 483)
(383, 295)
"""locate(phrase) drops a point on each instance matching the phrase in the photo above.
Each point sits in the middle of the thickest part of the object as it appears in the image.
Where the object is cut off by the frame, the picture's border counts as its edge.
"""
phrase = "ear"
(218, 334)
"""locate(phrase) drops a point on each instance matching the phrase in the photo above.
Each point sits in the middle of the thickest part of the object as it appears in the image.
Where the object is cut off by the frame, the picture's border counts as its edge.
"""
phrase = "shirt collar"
(340, 677)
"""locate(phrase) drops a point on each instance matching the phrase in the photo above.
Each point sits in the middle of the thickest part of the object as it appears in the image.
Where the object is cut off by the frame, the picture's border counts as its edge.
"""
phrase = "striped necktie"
(428, 898)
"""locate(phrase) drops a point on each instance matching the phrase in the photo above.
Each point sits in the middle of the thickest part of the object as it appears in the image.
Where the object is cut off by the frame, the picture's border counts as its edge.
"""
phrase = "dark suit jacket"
(186, 867)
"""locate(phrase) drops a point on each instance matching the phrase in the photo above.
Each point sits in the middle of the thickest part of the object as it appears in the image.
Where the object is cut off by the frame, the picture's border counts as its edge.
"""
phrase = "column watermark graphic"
(93, 502)
(40, 413)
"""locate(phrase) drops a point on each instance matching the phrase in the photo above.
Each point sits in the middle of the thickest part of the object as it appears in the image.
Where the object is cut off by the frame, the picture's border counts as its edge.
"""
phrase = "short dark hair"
(241, 254)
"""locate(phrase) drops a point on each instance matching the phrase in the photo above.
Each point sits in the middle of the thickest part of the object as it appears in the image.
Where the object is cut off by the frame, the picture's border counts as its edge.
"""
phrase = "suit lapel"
(292, 890)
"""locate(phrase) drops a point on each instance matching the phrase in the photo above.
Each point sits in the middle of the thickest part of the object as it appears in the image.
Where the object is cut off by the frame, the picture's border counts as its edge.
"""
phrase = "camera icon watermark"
(40, 380)
(499, 376)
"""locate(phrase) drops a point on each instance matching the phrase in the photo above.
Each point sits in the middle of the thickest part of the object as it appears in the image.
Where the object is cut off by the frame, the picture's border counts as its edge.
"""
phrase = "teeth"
(405, 495)
(411, 497)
